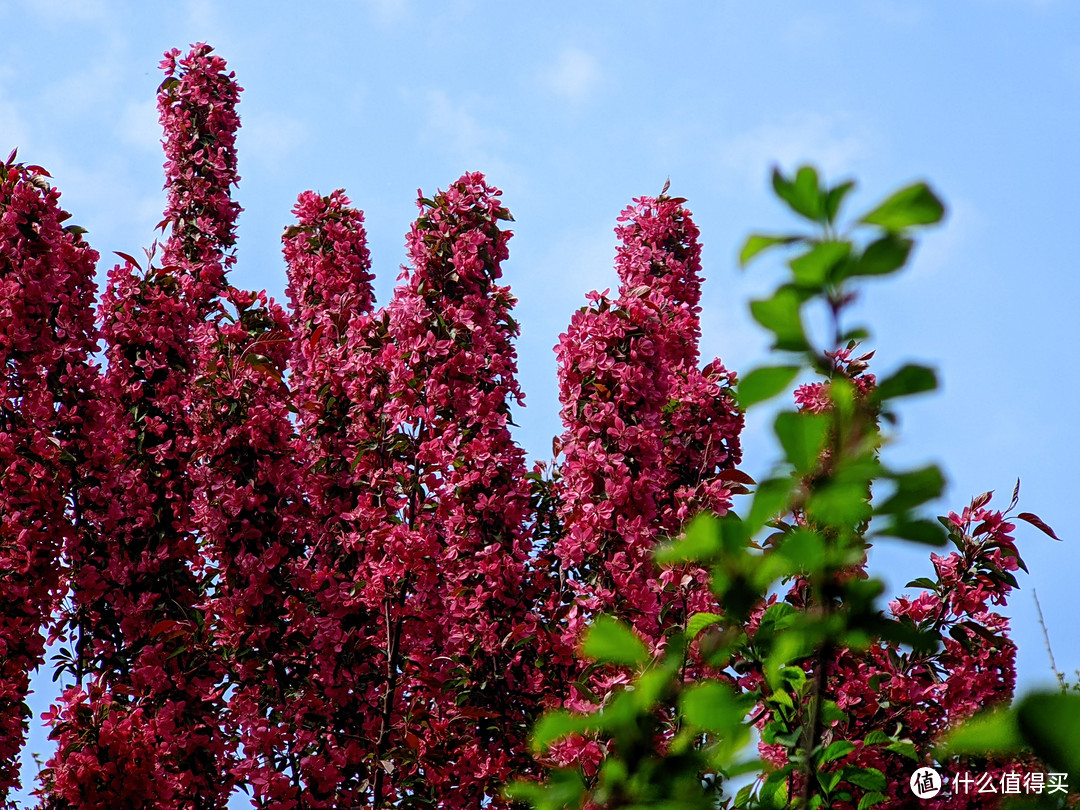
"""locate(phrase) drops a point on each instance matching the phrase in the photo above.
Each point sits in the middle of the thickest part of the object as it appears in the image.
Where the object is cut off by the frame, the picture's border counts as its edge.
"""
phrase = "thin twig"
(1046, 637)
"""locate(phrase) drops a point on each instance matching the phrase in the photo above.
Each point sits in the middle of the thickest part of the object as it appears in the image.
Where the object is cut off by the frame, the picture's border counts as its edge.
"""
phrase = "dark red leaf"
(1038, 523)
(736, 475)
(128, 259)
(162, 626)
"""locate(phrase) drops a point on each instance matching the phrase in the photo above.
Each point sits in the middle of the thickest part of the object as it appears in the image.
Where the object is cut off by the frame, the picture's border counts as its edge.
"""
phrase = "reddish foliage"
(305, 553)
(647, 432)
(46, 337)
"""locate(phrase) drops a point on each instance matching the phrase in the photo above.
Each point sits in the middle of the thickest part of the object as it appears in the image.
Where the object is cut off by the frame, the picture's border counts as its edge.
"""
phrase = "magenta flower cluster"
(299, 551)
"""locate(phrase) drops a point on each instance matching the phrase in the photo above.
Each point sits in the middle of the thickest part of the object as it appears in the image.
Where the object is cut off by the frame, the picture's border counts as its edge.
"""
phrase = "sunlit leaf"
(914, 205)
(762, 384)
(610, 641)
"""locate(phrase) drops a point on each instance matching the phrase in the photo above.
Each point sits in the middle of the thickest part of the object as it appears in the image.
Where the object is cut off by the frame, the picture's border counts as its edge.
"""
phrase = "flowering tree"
(46, 293)
(845, 699)
(298, 552)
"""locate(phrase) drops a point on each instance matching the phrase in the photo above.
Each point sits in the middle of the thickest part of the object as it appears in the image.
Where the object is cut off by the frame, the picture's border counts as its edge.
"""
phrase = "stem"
(393, 645)
(1046, 637)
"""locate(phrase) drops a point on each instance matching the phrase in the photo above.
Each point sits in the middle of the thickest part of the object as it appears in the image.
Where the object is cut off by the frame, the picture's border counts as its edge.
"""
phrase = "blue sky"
(574, 110)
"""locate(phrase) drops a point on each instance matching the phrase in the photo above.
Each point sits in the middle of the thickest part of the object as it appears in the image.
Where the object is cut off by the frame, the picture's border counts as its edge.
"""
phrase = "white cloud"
(138, 125)
(269, 137)
(453, 125)
(388, 12)
(832, 142)
(62, 11)
(574, 76)
(13, 129)
(945, 246)
(203, 15)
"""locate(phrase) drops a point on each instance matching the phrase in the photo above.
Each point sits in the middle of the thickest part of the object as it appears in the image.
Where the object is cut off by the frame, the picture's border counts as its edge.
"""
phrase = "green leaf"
(866, 778)
(839, 504)
(699, 621)
(565, 788)
(1050, 723)
(764, 383)
(778, 616)
(770, 499)
(803, 194)
(713, 706)
(611, 642)
(555, 725)
(781, 315)
(913, 489)
(914, 205)
(870, 799)
(802, 435)
(881, 257)
(923, 582)
(990, 732)
(817, 265)
(904, 749)
(836, 750)
(928, 532)
(910, 379)
(701, 541)
(876, 737)
(835, 197)
(758, 242)
(805, 548)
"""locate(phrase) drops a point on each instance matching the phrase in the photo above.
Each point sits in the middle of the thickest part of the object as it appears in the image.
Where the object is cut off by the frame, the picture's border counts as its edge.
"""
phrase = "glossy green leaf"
(913, 489)
(610, 641)
(802, 194)
(564, 788)
(700, 542)
(1050, 723)
(914, 205)
(699, 621)
(835, 198)
(836, 750)
(770, 499)
(814, 267)
(866, 778)
(904, 749)
(555, 725)
(713, 706)
(839, 504)
(781, 315)
(881, 257)
(989, 732)
(805, 548)
(758, 242)
(762, 384)
(908, 380)
(928, 532)
(802, 435)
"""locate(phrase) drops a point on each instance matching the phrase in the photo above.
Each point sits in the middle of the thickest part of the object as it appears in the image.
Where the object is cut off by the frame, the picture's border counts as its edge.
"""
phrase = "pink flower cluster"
(197, 105)
(648, 435)
(47, 336)
(301, 550)
(138, 583)
(917, 696)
